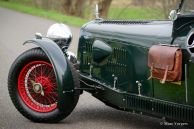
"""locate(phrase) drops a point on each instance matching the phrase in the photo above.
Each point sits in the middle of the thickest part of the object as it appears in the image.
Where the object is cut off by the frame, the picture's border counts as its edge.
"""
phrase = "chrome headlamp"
(60, 34)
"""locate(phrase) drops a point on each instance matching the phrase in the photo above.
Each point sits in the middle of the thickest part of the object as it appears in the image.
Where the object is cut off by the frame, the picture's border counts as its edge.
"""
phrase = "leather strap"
(165, 75)
(151, 71)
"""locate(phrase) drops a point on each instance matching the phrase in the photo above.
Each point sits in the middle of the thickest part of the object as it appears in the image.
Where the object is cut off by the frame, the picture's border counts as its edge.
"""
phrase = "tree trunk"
(74, 7)
(79, 8)
(67, 6)
(138, 2)
(104, 6)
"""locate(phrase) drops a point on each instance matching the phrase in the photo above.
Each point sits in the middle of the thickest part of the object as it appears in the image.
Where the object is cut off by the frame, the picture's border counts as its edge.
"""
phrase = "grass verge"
(132, 13)
(53, 15)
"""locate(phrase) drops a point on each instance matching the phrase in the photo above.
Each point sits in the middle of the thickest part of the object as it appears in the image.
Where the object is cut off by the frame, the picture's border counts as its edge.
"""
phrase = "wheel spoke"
(37, 78)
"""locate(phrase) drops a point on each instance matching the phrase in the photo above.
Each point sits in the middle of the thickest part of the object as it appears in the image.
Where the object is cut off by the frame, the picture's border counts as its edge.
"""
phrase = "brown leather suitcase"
(165, 63)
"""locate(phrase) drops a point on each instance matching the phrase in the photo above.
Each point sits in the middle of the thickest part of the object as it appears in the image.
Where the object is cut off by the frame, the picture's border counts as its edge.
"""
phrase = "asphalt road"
(90, 113)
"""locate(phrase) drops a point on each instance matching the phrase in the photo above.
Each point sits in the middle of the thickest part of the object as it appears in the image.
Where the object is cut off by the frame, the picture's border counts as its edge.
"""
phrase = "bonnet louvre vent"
(123, 22)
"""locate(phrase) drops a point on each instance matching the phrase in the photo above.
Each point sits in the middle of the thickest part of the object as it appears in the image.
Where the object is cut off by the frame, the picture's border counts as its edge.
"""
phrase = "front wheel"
(33, 89)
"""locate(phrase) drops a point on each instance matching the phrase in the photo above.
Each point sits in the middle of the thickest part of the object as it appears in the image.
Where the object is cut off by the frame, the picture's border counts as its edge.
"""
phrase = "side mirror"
(173, 15)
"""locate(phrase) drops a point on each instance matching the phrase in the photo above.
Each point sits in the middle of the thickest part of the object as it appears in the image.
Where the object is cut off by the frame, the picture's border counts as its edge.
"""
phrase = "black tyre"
(33, 89)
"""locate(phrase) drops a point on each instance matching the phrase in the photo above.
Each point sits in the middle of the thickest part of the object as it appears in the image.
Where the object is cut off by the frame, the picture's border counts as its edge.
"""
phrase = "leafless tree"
(104, 6)
(138, 2)
(74, 7)
(168, 5)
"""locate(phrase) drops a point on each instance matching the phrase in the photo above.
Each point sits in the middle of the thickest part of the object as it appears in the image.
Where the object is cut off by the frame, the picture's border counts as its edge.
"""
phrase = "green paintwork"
(100, 51)
(130, 48)
(61, 69)
(115, 80)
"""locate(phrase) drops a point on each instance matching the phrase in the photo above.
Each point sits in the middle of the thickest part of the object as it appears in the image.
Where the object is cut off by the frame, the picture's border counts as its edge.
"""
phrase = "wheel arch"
(62, 71)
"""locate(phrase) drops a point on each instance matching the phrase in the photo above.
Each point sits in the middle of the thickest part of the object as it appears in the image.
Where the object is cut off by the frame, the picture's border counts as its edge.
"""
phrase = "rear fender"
(62, 71)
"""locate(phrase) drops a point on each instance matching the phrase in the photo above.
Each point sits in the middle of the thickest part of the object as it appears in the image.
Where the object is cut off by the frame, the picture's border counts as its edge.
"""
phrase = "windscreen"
(188, 7)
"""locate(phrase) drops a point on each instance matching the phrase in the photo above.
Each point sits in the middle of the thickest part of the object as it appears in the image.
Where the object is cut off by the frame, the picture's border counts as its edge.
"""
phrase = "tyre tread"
(12, 88)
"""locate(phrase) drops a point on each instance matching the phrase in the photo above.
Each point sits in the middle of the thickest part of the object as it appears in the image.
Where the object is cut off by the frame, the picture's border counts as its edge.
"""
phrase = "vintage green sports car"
(144, 67)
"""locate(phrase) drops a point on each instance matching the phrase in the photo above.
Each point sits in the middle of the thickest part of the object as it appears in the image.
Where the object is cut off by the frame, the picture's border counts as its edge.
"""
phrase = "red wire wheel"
(37, 86)
(33, 89)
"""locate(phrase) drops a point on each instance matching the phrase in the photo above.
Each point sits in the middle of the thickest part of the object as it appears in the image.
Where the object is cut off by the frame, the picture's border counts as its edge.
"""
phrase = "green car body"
(111, 64)
(113, 58)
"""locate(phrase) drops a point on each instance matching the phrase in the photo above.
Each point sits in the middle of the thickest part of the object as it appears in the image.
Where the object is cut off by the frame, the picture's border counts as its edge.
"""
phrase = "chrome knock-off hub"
(37, 87)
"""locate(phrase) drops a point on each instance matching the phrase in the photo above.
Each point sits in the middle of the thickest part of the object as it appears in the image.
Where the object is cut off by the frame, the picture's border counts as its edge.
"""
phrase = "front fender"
(62, 71)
